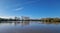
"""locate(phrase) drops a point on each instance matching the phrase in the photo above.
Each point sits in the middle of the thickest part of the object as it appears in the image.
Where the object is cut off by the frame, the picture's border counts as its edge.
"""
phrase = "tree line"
(50, 19)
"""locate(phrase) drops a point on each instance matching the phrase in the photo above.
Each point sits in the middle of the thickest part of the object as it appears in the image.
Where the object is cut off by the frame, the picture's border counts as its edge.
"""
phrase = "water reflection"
(27, 22)
(21, 22)
(29, 27)
(50, 22)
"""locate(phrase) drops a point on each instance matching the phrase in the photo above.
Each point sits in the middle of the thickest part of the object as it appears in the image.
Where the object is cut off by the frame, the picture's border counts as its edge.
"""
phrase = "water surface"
(29, 27)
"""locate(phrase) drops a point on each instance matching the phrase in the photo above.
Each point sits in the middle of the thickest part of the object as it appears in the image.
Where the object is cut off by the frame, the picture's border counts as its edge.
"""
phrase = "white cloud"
(7, 17)
(19, 9)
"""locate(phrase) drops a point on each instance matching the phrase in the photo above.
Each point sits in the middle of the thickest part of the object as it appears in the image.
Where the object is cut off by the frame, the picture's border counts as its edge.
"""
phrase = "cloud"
(7, 17)
(19, 9)
(18, 6)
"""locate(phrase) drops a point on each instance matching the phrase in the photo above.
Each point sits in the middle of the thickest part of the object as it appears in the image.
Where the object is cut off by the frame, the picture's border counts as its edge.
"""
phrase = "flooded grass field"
(29, 27)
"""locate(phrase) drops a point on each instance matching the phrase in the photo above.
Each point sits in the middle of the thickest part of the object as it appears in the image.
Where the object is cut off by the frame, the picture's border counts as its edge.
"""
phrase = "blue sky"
(31, 8)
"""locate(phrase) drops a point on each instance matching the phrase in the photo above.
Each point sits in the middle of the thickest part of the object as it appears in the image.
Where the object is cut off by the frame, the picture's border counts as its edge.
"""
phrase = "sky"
(30, 8)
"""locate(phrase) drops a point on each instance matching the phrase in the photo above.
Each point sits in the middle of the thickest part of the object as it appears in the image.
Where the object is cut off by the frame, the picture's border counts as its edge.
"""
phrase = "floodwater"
(29, 27)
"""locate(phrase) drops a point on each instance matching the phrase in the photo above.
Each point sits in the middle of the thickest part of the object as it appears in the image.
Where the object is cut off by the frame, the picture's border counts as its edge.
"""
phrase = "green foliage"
(51, 19)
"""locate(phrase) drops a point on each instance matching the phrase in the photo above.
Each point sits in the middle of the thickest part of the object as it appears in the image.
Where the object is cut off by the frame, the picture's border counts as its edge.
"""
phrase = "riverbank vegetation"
(10, 19)
(50, 19)
(42, 19)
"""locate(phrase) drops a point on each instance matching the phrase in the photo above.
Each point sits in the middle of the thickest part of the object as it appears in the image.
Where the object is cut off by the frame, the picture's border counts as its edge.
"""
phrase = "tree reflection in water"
(21, 23)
